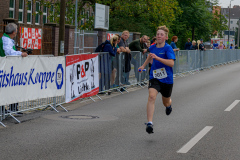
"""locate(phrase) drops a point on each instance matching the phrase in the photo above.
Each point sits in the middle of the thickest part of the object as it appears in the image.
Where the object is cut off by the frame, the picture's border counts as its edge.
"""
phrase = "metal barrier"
(188, 61)
(113, 75)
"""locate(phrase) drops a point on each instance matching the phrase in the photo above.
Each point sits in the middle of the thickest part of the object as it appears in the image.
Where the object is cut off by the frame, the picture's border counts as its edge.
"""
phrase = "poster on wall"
(30, 38)
(82, 78)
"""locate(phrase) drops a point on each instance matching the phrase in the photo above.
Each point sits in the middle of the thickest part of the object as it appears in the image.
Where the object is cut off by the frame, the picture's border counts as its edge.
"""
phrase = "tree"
(141, 16)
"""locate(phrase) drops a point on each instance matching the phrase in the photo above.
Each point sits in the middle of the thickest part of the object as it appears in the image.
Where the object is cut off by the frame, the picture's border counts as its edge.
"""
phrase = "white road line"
(194, 140)
(232, 105)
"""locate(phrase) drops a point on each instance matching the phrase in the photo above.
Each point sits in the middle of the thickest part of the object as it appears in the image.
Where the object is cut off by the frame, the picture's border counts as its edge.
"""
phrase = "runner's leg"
(166, 101)
(151, 103)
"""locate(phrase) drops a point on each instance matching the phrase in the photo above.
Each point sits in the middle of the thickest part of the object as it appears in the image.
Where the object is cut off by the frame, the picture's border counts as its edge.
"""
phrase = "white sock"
(150, 122)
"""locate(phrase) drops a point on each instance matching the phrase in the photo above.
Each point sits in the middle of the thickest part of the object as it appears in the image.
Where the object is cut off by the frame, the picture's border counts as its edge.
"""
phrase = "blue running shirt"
(165, 52)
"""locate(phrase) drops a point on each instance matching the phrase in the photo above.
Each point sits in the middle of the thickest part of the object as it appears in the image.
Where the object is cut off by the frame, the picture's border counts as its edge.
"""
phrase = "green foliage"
(141, 16)
(184, 18)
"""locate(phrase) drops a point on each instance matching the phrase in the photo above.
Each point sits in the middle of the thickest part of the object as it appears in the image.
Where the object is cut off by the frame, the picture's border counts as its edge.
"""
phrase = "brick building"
(30, 14)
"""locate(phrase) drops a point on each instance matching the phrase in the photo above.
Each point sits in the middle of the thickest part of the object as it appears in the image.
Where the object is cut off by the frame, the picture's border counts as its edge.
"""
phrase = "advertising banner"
(109, 36)
(30, 38)
(81, 76)
(30, 78)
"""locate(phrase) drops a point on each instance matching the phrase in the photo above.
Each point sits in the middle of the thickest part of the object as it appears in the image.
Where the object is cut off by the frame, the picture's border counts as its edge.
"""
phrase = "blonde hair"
(126, 31)
(113, 39)
(164, 28)
(193, 41)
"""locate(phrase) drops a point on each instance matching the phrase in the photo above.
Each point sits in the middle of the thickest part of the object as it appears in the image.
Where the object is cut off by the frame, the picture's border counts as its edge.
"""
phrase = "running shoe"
(149, 128)
(168, 110)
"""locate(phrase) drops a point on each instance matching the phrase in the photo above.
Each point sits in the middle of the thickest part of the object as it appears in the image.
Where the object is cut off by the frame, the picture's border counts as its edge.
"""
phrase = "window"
(231, 22)
(29, 12)
(37, 17)
(44, 14)
(87, 16)
(82, 21)
(52, 13)
(20, 11)
(11, 8)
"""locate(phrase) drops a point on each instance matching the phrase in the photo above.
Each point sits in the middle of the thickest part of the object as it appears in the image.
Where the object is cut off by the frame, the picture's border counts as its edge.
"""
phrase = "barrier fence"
(113, 75)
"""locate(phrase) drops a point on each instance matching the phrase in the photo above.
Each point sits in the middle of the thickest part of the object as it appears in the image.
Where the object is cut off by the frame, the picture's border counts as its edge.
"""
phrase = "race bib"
(160, 73)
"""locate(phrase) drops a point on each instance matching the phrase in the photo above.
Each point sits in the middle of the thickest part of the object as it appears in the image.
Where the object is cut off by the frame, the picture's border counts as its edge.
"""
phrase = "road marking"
(232, 105)
(194, 140)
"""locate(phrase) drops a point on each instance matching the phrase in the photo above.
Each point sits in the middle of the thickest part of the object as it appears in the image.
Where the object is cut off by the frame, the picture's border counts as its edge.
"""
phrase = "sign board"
(30, 78)
(30, 38)
(82, 78)
(101, 16)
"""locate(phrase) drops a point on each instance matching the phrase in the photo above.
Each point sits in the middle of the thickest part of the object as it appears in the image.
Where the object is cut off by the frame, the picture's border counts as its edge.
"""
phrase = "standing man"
(188, 44)
(7, 44)
(123, 45)
(7, 48)
(201, 45)
(138, 45)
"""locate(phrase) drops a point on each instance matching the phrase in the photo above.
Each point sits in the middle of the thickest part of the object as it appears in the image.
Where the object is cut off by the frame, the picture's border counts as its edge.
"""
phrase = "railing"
(113, 75)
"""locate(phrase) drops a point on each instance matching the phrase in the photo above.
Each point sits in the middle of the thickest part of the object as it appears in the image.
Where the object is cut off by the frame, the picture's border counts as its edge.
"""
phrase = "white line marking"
(232, 105)
(194, 140)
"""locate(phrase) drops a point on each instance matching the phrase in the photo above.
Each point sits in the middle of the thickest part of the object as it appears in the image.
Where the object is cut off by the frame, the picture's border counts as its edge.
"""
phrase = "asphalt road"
(204, 124)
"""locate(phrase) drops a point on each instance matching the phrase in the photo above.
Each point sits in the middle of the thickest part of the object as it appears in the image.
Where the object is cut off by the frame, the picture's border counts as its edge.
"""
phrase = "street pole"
(76, 25)
(228, 24)
(238, 32)
(61, 28)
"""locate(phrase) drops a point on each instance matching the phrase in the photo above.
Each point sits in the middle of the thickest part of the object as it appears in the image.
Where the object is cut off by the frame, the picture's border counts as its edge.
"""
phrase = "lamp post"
(238, 33)
(229, 8)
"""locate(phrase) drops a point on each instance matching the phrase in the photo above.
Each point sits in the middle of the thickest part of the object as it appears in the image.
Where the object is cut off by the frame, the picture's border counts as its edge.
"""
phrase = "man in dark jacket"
(201, 45)
(123, 45)
(138, 45)
(188, 44)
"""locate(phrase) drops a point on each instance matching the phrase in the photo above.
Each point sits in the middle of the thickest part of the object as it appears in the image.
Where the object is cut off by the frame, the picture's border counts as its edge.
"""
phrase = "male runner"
(161, 74)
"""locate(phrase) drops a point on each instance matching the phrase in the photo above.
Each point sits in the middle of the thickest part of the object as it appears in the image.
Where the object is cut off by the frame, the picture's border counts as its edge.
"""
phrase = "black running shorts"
(163, 88)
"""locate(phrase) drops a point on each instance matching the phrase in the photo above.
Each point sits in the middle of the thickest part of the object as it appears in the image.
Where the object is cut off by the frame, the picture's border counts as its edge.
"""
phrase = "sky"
(226, 3)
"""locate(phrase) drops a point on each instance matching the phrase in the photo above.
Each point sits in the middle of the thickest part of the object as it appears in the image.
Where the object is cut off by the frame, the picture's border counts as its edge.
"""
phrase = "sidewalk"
(34, 114)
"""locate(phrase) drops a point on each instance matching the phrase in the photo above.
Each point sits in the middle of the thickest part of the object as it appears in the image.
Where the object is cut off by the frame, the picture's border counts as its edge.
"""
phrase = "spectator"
(236, 47)
(188, 44)
(173, 43)
(231, 47)
(123, 45)
(154, 40)
(112, 49)
(114, 81)
(7, 44)
(138, 45)
(148, 44)
(215, 45)
(193, 46)
(7, 48)
(201, 45)
(221, 46)
(193, 59)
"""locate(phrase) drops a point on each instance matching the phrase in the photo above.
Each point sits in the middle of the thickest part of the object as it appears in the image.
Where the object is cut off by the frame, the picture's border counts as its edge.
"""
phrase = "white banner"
(81, 76)
(30, 78)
